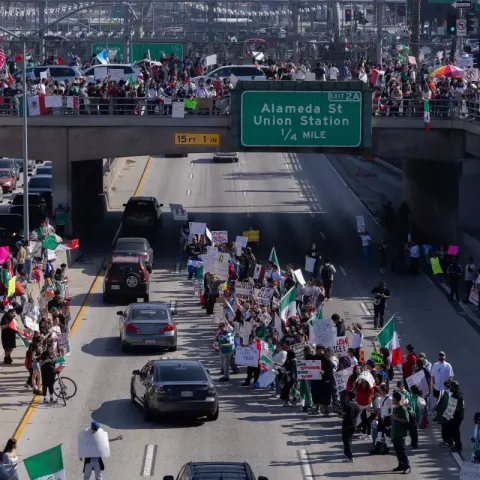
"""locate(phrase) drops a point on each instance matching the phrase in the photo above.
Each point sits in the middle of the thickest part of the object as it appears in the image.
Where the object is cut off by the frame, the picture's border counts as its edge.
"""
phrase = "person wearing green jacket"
(226, 347)
(400, 421)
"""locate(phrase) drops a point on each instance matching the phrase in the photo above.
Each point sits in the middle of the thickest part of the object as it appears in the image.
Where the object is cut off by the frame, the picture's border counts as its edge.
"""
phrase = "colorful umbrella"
(447, 71)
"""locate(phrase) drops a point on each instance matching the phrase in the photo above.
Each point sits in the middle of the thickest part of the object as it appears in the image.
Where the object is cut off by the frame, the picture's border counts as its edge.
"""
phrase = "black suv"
(142, 212)
(126, 276)
(34, 199)
(215, 471)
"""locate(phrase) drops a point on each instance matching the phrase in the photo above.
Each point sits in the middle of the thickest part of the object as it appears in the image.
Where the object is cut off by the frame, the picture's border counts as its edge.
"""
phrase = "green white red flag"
(388, 338)
(426, 114)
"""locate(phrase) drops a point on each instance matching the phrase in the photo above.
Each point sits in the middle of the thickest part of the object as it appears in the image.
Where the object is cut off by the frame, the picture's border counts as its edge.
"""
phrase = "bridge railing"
(465, 109)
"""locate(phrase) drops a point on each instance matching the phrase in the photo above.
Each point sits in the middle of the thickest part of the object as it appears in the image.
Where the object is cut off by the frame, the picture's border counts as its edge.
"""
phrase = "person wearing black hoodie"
(453, 425)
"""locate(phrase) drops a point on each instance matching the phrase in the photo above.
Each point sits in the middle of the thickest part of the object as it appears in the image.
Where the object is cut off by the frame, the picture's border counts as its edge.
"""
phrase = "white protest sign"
(299, 349)
(220, 266)
(178, 110)
(178, 212)
(266, 319)
(258, 270)
(309, 369)
(208, 233)
(238, 249)
(278, 326)
(470, 471)
(197, 228)
(101, 73)
(473, 297)
(53, 101)
(168, 101)
(420, 381)
(212, 251)
(198, 288)
(244, 332)
(242, 240)
(93, 445)
(208, 263)
(246, 356)
(210, 60)
(266, 379)
(471, 75)
(116, 74)
(368, 377)
(322, 333)
(218, 315)
(35, 249)
(360, 224)
(31, 324)
(51, 255)
(341, 346)
(451, 407)
(264, 295)
(244, 290)
(309, 264)
(341, 378)
(219, 236)
(298, 273)
(63, 341)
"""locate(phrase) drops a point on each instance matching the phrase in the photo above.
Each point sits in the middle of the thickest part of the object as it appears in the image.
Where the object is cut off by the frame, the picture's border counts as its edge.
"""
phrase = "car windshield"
(44, 171)
(4, 174)
(130, 245)
(150, 314)
(139, 207)
(37, 182)
(180, 373)
(7, 164)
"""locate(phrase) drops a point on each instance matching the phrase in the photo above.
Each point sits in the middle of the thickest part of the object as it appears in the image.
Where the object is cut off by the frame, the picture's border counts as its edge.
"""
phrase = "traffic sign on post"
(301, 119)
(461, 28)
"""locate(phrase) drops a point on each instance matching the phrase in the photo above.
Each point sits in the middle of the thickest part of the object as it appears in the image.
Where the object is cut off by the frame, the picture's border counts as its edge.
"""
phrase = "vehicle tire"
(212, 418)
(105, 298)
(146, 410)
(133, 397)
(146, 298)
(149, 269)
(132, 280)
(172, 349)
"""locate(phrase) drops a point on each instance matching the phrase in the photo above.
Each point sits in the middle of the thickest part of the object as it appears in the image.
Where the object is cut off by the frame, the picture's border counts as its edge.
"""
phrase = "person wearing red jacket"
(408, 367)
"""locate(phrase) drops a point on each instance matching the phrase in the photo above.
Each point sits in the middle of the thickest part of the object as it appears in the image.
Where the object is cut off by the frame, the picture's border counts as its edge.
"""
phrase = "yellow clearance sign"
(197, 139)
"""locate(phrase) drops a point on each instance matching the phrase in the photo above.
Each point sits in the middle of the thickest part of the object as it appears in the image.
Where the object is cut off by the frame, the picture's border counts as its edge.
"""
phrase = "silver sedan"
(148, 325)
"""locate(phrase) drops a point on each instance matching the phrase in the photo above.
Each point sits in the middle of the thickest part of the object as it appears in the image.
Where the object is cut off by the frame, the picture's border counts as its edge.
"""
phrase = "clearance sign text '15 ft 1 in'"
(197, 139)
(301, 119)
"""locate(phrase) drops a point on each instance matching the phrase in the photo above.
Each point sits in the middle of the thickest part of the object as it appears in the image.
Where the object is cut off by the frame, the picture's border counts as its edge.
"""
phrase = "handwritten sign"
(219, 236)
(266, 319)
(246, 356)
(31, 324)
(309, 369)
(220, 266)
(242, 240)
(63, 341)
(218, 313)
(299, 349)
(470, 471)
(453, 250)
(341, 378)
(93, 445)
(322, 333)
(420, 381)
(197, 228)
(310, 264)
(243, 290)
(299, 275)
(341, 346)
(451, 407)
(198, 288)
(264, 295)
(360, 224)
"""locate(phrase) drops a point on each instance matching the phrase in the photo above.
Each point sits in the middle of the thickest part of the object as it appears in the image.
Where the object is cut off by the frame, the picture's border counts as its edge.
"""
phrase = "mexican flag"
(52, 242)
(200, 273)
(131, 80)
(28, 56)
(71, 245)
(35, 106)
(21, 335)
(288, 305)
(273, 258)
(388, 338)
(47, 465)
(426, 114)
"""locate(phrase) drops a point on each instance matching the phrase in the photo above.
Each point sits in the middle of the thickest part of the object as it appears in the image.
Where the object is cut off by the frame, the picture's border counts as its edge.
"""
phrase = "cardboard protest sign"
(310, 264)
(264, 295)
(309, 369)
(218, 313)
(243, 290)
(341, 346)
(197, 228)
(322, 333)
(470, 471)
(220, 266)
(453, 250)
(360, 224)
(299, 349)
(93, 445)
(451, 407)
(266, 319)
(198, 288)
(31, 324)
(341, 378)
(178, 212)
(299, 275)
(420, 381)
(473, 297)
(220, 236)
(246, 356)
(242, 240)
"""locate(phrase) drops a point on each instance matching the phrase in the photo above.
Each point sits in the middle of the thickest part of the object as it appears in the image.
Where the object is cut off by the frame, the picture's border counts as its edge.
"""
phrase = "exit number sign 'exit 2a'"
(301, 119)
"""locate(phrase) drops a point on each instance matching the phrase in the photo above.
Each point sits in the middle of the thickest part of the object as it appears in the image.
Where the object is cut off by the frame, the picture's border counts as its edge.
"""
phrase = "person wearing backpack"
(327, 272)
(400, 420)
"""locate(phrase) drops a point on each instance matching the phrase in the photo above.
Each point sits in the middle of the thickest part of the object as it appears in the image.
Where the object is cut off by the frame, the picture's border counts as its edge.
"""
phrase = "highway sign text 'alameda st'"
(295, 119)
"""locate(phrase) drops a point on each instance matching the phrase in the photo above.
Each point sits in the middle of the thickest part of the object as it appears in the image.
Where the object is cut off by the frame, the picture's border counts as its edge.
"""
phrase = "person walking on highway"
(349, 416)
(95, 464)
(441, 372)
(327, 273)
(400, 419)
(454, 273)
(381, 294)
(470, 272)
(314, 253)
(366, 239)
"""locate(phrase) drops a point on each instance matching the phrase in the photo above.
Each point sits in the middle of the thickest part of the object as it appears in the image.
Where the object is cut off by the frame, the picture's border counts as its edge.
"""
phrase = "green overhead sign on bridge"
(301, 119)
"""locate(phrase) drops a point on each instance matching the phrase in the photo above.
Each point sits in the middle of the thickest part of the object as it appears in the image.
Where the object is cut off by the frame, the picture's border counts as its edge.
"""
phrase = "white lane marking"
(305, 464)
(190, 176)
(457, 458)
(148, 464)
(189, 192)
(177, 268)
(323, 235)
(343, 271)
(365, 309)
(244, 193)
(428, 278)
(300, 193)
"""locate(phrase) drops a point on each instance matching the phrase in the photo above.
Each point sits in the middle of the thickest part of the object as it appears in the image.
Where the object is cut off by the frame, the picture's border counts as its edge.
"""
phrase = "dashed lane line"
(307, 473)
(149, 457)
(365, 309)
(343, 271)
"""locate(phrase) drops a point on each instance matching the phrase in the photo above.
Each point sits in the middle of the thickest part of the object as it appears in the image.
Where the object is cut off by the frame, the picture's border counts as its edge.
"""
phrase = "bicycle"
(64, 387)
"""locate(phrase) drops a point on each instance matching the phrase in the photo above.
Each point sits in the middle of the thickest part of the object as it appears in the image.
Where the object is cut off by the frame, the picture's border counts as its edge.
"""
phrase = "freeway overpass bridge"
(441, 168)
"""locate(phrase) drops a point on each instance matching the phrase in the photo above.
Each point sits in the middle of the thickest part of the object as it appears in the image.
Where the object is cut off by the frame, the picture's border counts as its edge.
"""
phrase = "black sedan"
(175, 386)
(215, 471)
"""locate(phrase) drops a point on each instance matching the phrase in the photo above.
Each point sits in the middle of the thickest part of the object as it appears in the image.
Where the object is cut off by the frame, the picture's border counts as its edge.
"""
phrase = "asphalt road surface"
(293, 200)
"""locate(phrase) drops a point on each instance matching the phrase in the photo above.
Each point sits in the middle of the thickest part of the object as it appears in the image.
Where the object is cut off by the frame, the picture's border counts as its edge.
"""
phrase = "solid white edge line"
(365, 309)
(305, 464)
(343, 271)
(323, 235)
(456, 456)
(148, 467)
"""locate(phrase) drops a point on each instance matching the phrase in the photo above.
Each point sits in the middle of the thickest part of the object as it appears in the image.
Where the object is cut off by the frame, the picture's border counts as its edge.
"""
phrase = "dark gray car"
(215, 471)
(148, 325)
(135, 246)
(175, 386)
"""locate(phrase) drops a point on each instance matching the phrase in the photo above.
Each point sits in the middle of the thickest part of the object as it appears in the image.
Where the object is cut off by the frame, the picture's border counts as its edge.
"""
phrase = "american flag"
(2, 58)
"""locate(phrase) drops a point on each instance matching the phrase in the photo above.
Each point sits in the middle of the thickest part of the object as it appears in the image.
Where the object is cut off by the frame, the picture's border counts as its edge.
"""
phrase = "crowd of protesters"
(272, 312)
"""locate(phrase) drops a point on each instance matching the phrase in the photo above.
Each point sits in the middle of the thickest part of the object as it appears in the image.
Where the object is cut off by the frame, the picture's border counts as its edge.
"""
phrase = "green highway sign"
(301, 118)
(157, 50)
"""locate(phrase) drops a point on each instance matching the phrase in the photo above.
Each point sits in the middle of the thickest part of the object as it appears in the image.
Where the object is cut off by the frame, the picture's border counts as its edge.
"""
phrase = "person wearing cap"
(441, 372)
(21, 256)
(95, 464)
